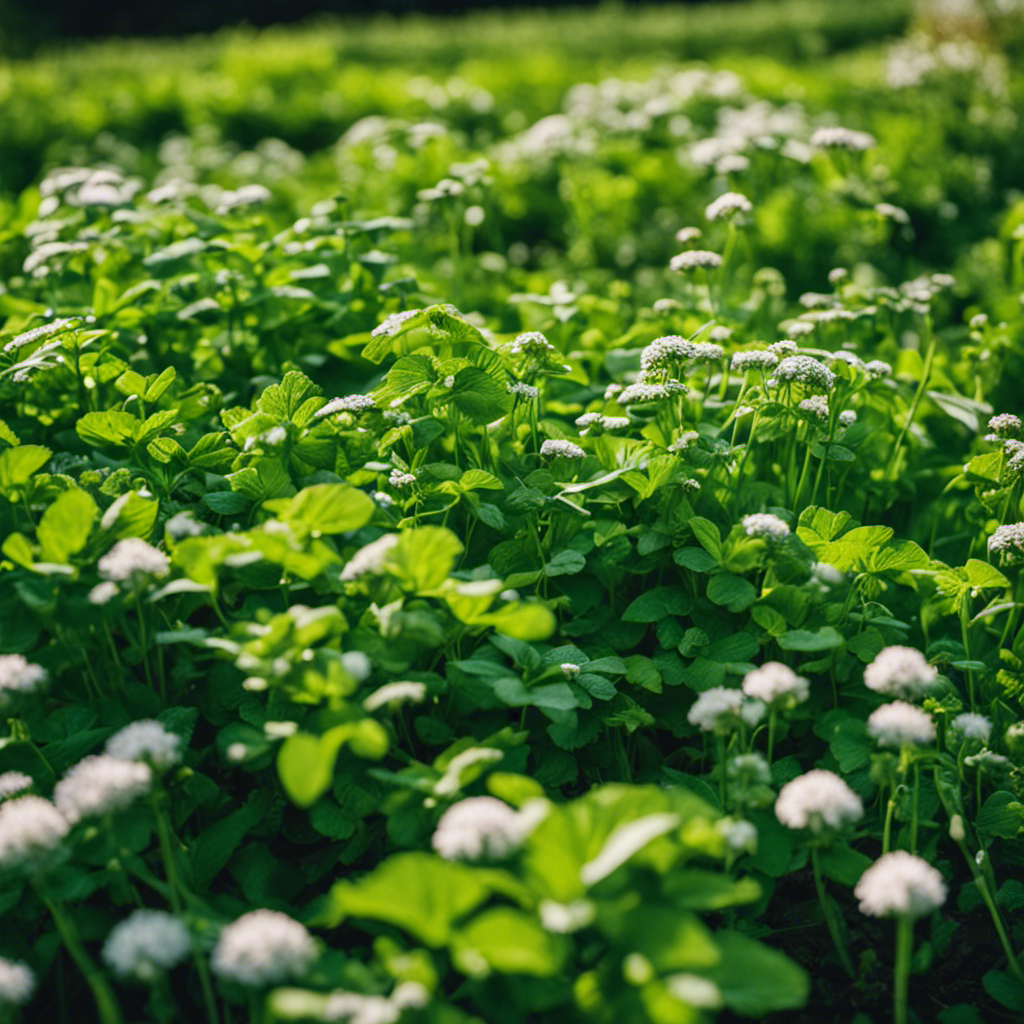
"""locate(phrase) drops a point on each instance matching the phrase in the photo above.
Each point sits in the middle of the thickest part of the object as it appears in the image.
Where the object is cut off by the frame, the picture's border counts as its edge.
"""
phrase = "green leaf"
(131, 515)
(18, 464)
(424, 556)
(225, 503)
(824, 639)
(305, 772)
(523, 620)
(565, 563)
(215, 846)
(283, 400)
(1002, 815)
(982, 575)
(755, 979)
(657, 603)
(695, 889)
(1004, 989)
(707, 536)
(509, 941)
(696, 559)
(65, 526)
(480, 479)
(843, 864)
(108, 428)
(330, 508)
(478, 395)
(734, 592)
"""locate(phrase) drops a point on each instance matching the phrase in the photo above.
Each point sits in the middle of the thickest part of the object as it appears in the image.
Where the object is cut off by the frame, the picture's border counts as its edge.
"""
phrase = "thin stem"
(772, 716)
(827, 911)
(914, 810)
(904, 947)
(915, 402)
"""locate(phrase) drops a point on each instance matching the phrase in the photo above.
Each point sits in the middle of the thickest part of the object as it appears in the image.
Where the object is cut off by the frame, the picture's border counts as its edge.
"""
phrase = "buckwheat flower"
(761, 359)
(565, 918)
(877, 369)
(393, 323)
(816, 405)
(130, 557)
(695, 991)
(686, 235)
(553, 448)
(899, 671)
(146, 740)
(766, 526)
(727, 206)
(13, 783)
(532, 343)
(716, 709)
(817, 801)
(1005, 425)
(347, 403)
(842, 138)
(902, 884)
(100, 784)
(900, 724)
(847, 418)
(32, 832)
(18, 677)
(776, 684)
(694, 259)
(805, 370)
(1008, 541)
(391, 695)
(479, 827)
(263, 947)
(523, 390)
(370, 558)
(665, 307)
(145, 944)
(17, 982)
(400, 479)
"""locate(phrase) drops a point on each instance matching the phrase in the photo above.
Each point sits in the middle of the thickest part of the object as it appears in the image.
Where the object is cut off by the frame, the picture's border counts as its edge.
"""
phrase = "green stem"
(827, 911)
(914, 808)
(915, 402)
(720, 750)
(904, 947)
(803, 477)
(965, 636)
(887, 830)
(772, 716)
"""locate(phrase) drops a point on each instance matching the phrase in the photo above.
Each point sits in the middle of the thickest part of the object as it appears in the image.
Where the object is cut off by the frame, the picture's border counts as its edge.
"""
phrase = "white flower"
(900, 724)
(692, 259)
(642, 393)
(689, 234)
(31, 832)
(1005, 423)
(263, 947)
(685, 440)
(392, 694)
(393, 323)
(566, 449)
(100, 784)
(718, 708)
(841, 138)
(805, 370)
(355, 1008)
(410, 995)
(357, 664)
(766, 525)
(759, 358)
(847, 418)
(775, 683)
(694, 990)
(615, 422)
(728, 205)
(570, 669)
(13, 783)
(451, 780)
(370, 558)
(1008, 540)
(972, 726)
(146, 943)
(816, 405)
(146, 740)
(900, 672)
(18, 677)
(400, 479)
(523, 390)
(902, 884)
(347, 403)
(103, 592)
(130, 556)
(738, 833)
(816, 801)
(877, 368)
(17, 982)
(987, 760)
(532, 343)
(480, 827)
(564, 918)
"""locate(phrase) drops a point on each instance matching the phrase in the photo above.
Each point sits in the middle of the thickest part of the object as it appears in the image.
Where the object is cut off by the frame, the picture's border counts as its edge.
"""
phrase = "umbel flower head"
(18, 677)
(899, 671)
(483, 827)
(805, 370)
(900, 883)
(145, 944)
(900, 724)
(146, 740)
(263, 947)
(100, 784)
(766, 526)
(818, 800)
(728, 205)
(777, 684)
(722, 708)
(554, 447)
(1008, 541)
(133, 557)
(32, 833)
(969, 725)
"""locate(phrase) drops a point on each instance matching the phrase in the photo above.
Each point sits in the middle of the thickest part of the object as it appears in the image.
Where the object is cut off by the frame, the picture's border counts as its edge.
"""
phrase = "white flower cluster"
(146, 740)
(347, 403)
(400, 479)
(483, 827)
(721, 708)
(816, 405)
(564, 918)
(263, 947)
(17, 982)
(523, 390)
(13, 783)
(775, 683)
(972, 726)
(100, 784)
(133, 556)
(685, 440)
(555, 447)
(694, 259)
(393, 323)
(739, 834)
(1008, 540)
(643, 393)
(18, 677)
(1005, 425)
(818, 800)
(900, 724)
(805, 370)
(847, 418)
(987, 760)
(31, 832)
(595, 422)
(902, 884)
(532, 343)
(877, 369)
(728, 205)
(684, 236)
(899, 671)
(760, 358)
(841, 138)
(391, 695)
(765, 525)
(145, 944)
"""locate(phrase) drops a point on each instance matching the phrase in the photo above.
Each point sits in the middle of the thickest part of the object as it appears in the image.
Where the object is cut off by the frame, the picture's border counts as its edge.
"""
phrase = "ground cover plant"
(543, 558)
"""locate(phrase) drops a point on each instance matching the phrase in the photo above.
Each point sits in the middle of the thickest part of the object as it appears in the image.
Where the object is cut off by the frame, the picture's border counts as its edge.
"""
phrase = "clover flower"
(761, 359)
(393, 323)
(347, 403)
(842, 138)
(17, 982)
(32, 832)
(805, 370)
(727, 206)
(899, 671)
(816, 405)
(483, 827)
(694, 259)
(720, 708)
(766, 526)
(18, 677)
(902, 884)
(13, 783)
(146, 740)
(100, 784)
(818, 800)
(145, 944)
(775, 683)
(390, 695)
(900, 724)
(972, 726)
(130, 557)
(554, 447)
(263, 947)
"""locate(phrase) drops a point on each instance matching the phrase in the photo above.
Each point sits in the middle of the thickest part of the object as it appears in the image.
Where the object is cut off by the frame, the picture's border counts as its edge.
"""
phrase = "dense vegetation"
(510, 535)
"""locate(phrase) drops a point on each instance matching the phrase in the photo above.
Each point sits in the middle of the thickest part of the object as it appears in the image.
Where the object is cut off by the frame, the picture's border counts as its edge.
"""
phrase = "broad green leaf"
(707, 536)
(509, 941)
(696, 889)
(734, 592)
(131, 515)
(108, 428)
(330, 508)
(755, 979)
(65, 526)
(669, 938)
(477, 395)
(480, 479)
(1002, 816)
(696, 559)
(843, 864)
(983, 576)
(424, 556)
(565, 563)
(282, 401)
(824, 639)
(656, 604)
(18, 464)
